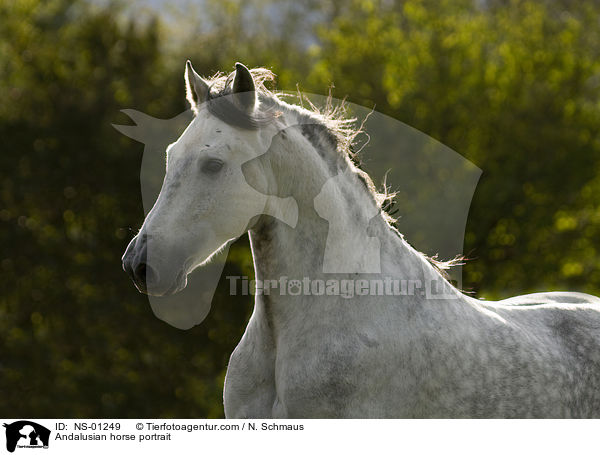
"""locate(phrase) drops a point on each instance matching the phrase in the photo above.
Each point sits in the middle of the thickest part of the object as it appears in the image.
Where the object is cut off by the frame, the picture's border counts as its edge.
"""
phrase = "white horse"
(249, 162)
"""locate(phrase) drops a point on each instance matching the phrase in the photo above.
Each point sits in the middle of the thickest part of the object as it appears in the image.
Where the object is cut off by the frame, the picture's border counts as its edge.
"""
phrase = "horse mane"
(342, 131)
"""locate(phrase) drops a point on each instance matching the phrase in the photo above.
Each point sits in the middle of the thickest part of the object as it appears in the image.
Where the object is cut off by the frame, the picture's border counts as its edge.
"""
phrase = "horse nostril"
(140, 272)
(145, 274)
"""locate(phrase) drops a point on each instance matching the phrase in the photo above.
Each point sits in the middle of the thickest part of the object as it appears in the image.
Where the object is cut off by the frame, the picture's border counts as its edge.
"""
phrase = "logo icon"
(26, 434)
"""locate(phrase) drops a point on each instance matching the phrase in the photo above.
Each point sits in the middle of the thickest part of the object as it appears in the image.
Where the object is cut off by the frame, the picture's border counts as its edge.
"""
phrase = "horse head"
(207, 198)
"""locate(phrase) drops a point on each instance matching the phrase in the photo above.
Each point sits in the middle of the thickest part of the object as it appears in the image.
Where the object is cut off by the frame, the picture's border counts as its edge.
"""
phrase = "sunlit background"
(513, 86)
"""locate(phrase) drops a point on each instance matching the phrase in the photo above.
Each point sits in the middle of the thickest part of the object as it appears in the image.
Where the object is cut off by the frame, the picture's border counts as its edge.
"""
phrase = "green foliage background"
(511, 85)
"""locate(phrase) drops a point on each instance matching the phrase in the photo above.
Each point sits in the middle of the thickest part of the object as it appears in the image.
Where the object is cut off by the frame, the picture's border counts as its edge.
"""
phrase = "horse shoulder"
(249, 390)
(356, 365)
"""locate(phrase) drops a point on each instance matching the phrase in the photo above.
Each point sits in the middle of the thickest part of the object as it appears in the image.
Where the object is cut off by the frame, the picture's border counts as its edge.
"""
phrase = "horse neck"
(341, 232)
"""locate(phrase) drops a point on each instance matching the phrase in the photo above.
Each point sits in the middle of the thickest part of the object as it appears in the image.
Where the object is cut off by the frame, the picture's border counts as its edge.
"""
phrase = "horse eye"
(212, 166)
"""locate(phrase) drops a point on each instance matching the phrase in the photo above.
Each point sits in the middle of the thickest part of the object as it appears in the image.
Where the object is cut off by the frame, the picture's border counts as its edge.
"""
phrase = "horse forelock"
(219, 101)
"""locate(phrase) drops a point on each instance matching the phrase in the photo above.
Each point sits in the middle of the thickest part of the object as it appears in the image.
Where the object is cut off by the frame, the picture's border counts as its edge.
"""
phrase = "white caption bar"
(154, 436)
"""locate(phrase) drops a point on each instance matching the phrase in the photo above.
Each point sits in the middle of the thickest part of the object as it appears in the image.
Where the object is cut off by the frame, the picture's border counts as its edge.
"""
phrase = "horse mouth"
(178, 285)
(158, 290)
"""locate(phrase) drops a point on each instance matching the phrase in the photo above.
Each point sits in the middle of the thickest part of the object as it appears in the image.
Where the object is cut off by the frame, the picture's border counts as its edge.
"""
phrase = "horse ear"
(196, 88)
(244, 88)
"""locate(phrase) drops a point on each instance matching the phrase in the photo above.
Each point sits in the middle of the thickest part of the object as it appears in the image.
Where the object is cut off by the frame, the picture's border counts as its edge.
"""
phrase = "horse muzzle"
(147, 276)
